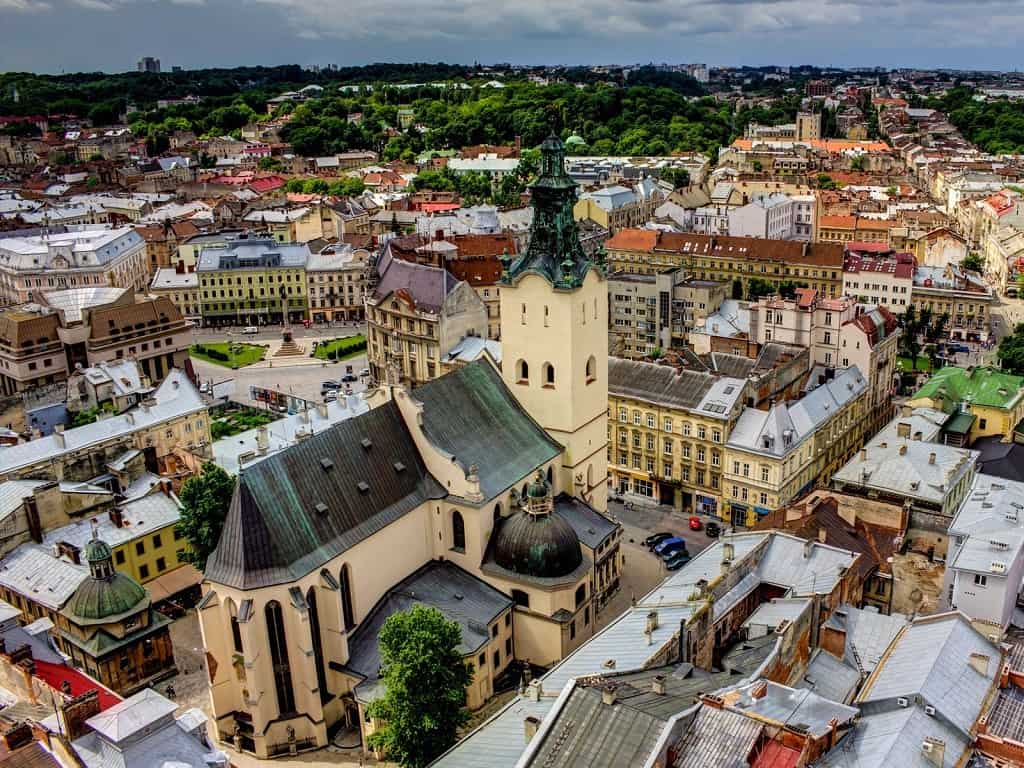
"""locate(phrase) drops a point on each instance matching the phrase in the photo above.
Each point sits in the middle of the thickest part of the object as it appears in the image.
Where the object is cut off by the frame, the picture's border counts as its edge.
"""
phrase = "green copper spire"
(554, 251)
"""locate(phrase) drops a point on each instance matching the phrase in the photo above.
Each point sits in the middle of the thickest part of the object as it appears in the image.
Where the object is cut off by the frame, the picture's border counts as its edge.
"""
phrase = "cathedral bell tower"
(554, 332)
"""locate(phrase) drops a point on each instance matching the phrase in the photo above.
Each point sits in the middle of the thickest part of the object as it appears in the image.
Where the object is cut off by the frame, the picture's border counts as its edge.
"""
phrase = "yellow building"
(253, 282)
(735, 260)
(182, 288)
(290, 225)
(994, 402)
(668, 431)
(773, 456)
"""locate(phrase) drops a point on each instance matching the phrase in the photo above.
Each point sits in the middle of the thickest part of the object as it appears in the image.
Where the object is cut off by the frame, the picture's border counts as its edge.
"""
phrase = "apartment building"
(989, 402)
(839, 333)
(882, 278)
(80, 256)
(651, 312)
(768, 216)
(288, 225)
(964, 296)
(732, 260)
(415, 315)
(667, 433)
(337, 278)
(854, 228)
(617, 206)
(41, 343)
(181, 287)
(253, 281)
(773, 456)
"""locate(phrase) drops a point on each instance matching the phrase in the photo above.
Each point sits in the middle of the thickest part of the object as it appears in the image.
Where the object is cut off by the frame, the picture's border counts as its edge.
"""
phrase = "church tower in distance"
(554, 332)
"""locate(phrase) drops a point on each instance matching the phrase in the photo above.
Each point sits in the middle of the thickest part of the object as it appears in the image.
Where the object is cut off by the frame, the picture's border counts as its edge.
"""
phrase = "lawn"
(340, 349)
(234, 422)
(228, 354)
(923, 364)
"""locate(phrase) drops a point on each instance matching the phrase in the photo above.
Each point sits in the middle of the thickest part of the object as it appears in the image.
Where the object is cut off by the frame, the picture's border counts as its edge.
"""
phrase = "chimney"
(652, 622)
(58, 429)
(808, 548)
(530, 725)
(931, 458)
(903, 450)
(321, 408)
(117, 517)
(979, 663)
(17, 736)
(822, 535)
(863, 454)
(608, 694)
(934, 751)
(903, 429)
(534, 690)
(759, 690)
(58, 438)
(728, 552)
(658, 685)
(262, 439)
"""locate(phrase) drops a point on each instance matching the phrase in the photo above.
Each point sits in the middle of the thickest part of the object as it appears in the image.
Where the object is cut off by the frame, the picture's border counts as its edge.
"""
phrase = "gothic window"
(591, 369)
(549, 375)
(458, 531)
(345, 585)
(279, 658)
(318, 648)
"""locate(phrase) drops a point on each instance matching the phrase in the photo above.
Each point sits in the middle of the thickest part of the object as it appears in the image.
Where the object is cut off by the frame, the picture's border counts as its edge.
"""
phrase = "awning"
(171, 583)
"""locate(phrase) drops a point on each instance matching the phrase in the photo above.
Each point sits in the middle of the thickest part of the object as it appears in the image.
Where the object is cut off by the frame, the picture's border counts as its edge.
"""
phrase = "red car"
(695, 523)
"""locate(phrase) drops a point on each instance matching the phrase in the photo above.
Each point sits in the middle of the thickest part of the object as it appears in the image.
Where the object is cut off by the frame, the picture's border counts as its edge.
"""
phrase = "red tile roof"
(266, 184)
(805, 297)
(55, 675)
(715, 246)
(775, 755)
(633, 240)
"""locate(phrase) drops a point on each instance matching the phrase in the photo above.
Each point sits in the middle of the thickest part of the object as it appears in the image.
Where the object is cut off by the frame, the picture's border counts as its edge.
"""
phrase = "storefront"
(707, 506)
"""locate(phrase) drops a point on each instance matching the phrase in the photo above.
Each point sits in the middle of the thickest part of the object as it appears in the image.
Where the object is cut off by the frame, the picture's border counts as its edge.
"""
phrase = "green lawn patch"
(924, 365)
(228, 354)
(241, 420)
(340, 349)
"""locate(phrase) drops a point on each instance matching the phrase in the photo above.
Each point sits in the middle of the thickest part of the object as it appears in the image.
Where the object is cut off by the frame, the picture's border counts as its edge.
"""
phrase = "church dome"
(97, 600)
(537, 545)
(97, 550)
(538, 487)
(575, 141)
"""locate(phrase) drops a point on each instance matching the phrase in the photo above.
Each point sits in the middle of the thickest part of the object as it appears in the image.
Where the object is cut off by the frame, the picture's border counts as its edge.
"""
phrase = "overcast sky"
(110, 35)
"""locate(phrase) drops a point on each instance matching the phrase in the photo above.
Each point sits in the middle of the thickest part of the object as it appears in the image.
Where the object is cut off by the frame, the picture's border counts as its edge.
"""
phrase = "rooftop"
(988, 387)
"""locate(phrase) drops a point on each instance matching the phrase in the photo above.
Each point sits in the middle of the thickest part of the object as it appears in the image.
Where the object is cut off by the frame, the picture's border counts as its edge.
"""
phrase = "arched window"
(591, 369)
(497, 512)
(236, 630)
(458, 531)
(522, 495)
(318, 648)
(345, 586)
(551, 478)
(279, 659)
(581, 594)
(522, 372)
(549, 375)
(520, 598)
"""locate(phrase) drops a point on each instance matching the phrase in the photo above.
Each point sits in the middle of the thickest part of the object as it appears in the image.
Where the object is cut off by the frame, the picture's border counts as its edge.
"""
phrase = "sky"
(111, 35)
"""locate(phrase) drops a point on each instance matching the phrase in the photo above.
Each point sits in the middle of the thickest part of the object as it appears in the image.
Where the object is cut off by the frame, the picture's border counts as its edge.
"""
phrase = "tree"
(677, 177)
(857, 163)
(269, 164)
(974, 262)
(756, 288)
(1011, 351)
(425, 683)
(205, 499)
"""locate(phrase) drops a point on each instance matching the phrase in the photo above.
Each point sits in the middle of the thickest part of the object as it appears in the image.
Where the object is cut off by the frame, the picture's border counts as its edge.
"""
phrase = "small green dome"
(537, 489)
(575, 141)
(99, 599)
(96, 550)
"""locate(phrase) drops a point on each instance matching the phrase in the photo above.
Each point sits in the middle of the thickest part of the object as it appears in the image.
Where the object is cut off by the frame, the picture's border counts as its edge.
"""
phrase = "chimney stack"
(652, 622)
(262, 439)
(822, 535)
(931, 458)
(608, 694)
(808, 548)
(530, 726)
(534, 690)
(934, 751)
(658, 685)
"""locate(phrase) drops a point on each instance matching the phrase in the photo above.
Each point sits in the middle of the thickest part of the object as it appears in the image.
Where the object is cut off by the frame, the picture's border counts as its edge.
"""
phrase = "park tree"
(425, 683)
(205, 499)
(973, 262)
(1011, 351)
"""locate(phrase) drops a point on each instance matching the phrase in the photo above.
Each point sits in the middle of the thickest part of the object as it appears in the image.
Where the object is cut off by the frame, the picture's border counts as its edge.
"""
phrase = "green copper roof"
(978, 386)
(103, 600)
(554, 250)
(96, 551)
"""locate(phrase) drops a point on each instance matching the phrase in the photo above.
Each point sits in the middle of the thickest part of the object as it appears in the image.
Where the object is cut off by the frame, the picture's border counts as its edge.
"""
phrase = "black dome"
(542, 545)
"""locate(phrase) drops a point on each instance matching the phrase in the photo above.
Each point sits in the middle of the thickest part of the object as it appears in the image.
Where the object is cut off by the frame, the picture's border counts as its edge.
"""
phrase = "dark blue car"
(669, 545)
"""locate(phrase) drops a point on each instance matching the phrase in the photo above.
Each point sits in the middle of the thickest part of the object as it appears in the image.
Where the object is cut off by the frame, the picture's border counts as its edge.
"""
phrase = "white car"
(250, 330)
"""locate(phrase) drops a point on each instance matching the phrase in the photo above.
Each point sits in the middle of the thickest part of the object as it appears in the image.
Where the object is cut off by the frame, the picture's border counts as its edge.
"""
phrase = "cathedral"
(481, 493)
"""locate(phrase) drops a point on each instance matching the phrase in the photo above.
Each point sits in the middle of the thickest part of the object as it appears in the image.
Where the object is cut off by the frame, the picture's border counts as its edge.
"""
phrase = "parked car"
(672, 551)
(695, 523)
(348, 378)
(331, 396)
(713, 530)
(250, 330)
(668, 545)
(329, 386)
(364, 373)
(961, 348)
(677, 560)
(656, 538)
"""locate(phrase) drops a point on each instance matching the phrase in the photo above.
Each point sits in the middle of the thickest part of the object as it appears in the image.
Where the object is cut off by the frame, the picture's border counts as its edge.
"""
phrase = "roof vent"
(902, 702)
(399, 466)
(458, 596)
(366, 443)
(321, 508)
(929, 710)
(326, 463)
(363, 486)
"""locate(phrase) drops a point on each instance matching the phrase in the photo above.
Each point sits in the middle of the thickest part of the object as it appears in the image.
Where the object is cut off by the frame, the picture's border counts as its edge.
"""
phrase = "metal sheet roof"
(717, 737)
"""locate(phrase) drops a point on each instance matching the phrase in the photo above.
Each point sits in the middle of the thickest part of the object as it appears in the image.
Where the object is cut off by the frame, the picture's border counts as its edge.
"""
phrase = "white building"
(985, 564)
(84, 256)
(711, 220)
(770, 216)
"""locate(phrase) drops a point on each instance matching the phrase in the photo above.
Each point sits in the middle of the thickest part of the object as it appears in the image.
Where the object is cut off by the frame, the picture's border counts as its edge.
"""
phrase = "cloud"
(25, 6)
(94, 5)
